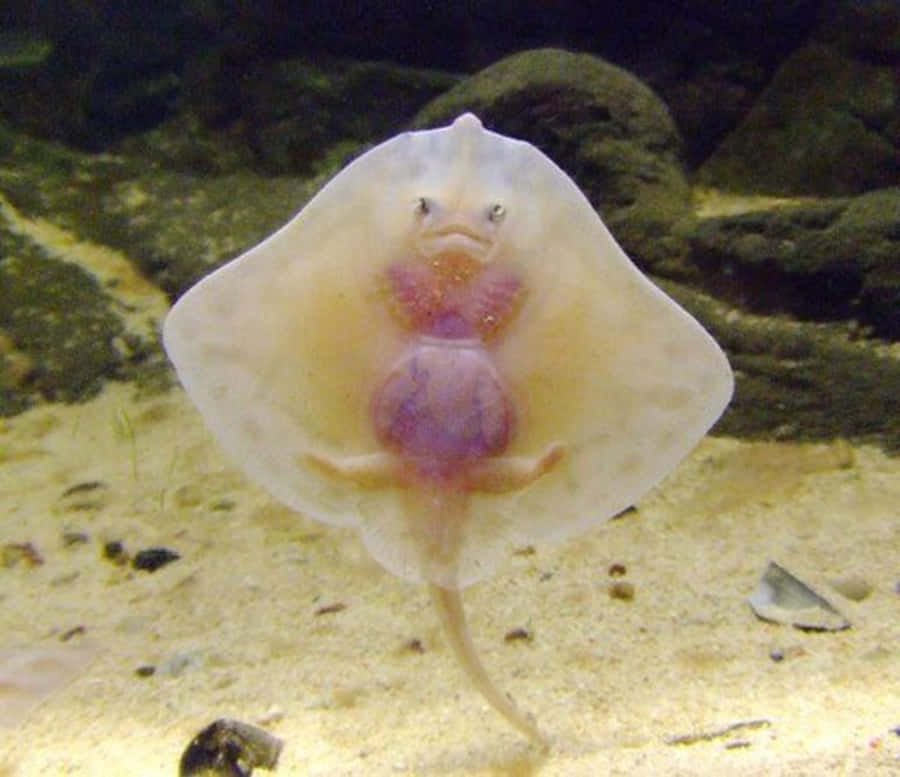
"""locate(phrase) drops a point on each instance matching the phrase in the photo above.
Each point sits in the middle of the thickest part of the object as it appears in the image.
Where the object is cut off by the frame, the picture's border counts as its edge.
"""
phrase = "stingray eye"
(423, 206)
(496, 213)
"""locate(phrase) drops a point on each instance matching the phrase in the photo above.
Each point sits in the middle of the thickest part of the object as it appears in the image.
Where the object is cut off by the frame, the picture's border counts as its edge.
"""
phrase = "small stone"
(75, 631)
(87, 496)
(328, 609)
(114, 551)
(231, 749)
(82, 488)
(517, 635)
(151, 559)
(72, 538)
(13, 552)
(620, 589)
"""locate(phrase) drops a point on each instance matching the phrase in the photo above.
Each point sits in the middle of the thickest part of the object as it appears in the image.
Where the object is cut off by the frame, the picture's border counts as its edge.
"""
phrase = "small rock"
(152, 559)
(231, 749)
(517, 635)
(72, 538)
(13, 552)
(620, 589)
(114, 551)
(328, 609)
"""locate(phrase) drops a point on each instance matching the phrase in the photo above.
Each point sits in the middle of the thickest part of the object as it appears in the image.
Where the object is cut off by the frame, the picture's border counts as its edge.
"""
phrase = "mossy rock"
(827, 124)
(177, 225)
(801, 381)
(56, 320)
(823, 260)
(296, 112)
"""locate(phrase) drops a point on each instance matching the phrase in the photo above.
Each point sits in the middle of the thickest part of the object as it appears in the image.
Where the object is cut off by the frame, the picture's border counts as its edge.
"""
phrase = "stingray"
(447, 350)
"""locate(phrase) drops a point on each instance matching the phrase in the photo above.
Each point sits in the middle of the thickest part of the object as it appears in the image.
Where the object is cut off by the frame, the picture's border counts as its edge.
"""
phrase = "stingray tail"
(449, 607)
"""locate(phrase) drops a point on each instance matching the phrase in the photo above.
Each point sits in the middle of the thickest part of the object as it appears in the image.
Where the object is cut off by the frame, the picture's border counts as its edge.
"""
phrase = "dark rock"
(84, 487)
(120, 68)
(177, 225)
(59, 316)
(801, 381)
(114, 551)
(867, 236)
(43, 178)
(185, 144)
(151, 559)
(869, 30)
(710, 61)
(286, 117)
(63, 332)
(114, 69)
(229, 748)
(822, 260)
(605, 128)
(71, 539)
(21, 49)
(297, 115)
(827, 125)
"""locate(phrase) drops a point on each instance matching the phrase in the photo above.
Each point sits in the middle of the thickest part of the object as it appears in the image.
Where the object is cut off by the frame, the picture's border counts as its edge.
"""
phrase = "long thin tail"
(449, 607)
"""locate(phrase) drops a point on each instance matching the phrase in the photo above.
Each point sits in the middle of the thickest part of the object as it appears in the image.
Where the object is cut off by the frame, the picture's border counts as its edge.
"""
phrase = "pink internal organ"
(493, 299)
(444, 407)
(454, 297)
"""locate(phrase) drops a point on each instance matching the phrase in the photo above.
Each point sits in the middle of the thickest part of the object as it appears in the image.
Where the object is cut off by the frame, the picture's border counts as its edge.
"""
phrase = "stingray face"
(444, 228)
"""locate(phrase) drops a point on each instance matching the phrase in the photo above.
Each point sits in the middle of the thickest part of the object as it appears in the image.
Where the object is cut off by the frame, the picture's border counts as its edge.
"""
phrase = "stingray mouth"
(456, 238)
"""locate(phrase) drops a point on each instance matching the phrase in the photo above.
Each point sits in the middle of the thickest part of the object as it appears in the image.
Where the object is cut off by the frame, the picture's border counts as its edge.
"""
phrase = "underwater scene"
(458, 389)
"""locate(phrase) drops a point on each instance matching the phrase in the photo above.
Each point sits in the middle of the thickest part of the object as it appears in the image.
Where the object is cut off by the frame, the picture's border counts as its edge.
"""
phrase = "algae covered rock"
(827, 124)
(819, 259)
(57, 321)
(798, 380)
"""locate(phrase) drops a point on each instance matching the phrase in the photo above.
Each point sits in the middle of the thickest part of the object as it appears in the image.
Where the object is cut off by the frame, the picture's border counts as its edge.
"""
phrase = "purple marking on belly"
(444, 405)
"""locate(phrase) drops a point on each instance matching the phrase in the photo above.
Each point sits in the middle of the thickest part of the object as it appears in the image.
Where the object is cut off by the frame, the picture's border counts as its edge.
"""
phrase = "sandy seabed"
(234, 628)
